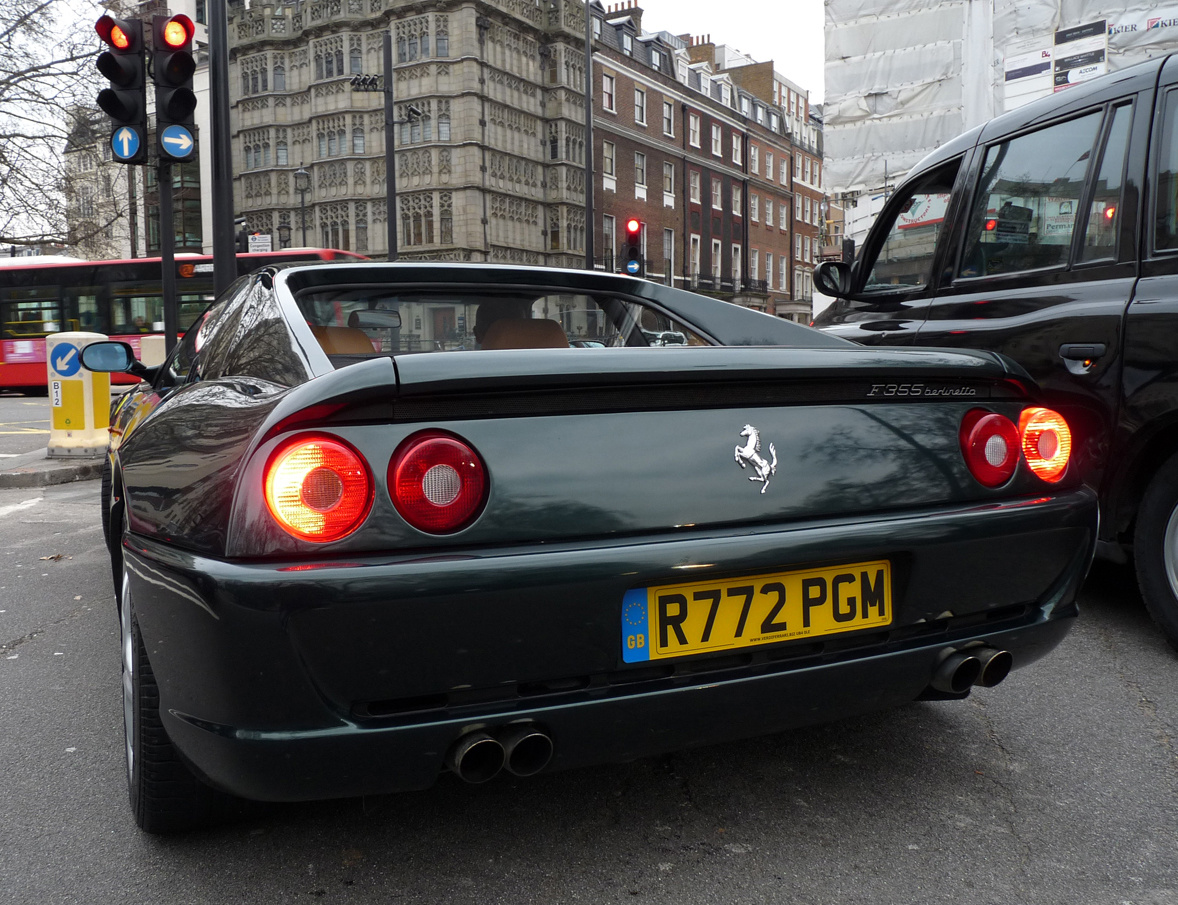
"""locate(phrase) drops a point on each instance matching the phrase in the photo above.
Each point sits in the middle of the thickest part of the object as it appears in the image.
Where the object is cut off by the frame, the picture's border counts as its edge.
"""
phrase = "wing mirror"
(113, 357)
(833, 278)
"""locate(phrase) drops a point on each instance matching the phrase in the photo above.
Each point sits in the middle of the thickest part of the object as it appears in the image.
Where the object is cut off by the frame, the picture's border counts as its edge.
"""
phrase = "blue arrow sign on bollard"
(125, 142)
(177, 142)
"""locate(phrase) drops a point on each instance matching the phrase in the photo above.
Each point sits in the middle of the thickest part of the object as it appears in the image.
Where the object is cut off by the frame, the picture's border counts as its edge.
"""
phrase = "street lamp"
(284, 235)
(303, 185)
(372, 83)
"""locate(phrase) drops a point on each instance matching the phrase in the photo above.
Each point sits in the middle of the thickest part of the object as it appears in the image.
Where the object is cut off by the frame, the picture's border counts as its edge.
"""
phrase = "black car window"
(1166, 205)
(1100, 233)
(375, 320)
(1025, 211)
(904, 259)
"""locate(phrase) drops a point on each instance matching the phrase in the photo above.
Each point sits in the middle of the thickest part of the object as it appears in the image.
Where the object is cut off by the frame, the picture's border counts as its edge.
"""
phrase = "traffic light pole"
(224, 249)
(168, 254)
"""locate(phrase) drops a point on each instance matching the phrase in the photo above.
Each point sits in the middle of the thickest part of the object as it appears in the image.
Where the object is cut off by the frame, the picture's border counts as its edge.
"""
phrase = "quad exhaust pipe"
(523, 749)
(983, 666)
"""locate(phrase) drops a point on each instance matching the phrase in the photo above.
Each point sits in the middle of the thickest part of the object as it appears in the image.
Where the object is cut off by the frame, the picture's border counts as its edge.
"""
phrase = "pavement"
(38, 469)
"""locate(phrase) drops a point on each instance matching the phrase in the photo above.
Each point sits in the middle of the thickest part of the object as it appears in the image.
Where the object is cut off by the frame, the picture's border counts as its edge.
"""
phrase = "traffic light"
(172, 66)
(632, 262)
(125, 101)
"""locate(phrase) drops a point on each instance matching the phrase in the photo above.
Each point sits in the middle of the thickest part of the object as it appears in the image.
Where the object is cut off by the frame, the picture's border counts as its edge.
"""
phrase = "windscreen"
(356, 320)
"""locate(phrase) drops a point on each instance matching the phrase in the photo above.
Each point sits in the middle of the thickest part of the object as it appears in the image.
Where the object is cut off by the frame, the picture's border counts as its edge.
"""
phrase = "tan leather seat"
(343, 340)
(525, 334)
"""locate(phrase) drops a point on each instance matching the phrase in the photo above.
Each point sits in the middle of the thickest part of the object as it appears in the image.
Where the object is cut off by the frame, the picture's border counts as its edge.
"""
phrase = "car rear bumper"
(296, 681)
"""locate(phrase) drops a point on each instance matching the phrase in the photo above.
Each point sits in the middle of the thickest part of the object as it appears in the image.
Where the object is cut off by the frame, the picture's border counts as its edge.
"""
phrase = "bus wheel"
(1155, 549)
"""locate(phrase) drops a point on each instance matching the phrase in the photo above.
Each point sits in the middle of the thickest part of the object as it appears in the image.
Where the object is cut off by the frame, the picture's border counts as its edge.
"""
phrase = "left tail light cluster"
(993, 445)
(319, 488)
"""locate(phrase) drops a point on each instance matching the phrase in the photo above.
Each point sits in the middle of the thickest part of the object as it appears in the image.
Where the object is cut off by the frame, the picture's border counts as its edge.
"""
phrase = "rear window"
(354, 320)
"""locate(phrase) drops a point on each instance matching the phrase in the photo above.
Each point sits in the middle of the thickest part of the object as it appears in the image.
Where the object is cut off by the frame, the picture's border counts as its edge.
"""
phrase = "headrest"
(525, 334)
(343, 340)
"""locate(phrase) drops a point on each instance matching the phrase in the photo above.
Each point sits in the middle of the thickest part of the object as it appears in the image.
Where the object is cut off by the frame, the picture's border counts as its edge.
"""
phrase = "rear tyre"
(1155, 549)
(165, 796)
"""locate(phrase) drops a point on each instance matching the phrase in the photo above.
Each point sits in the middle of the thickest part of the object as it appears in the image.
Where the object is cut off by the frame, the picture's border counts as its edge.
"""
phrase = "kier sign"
(924, 210)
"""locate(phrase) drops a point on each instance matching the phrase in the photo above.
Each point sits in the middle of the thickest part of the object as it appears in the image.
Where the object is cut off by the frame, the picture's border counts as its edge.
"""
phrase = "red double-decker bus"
(123, 299)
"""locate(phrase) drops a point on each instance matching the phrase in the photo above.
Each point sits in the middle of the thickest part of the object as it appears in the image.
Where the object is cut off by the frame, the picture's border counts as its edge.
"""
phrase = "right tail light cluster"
(993, 445)
(320, 489)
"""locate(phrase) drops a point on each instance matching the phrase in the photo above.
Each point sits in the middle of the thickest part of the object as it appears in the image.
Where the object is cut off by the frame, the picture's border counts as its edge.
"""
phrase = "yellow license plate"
(697, 617)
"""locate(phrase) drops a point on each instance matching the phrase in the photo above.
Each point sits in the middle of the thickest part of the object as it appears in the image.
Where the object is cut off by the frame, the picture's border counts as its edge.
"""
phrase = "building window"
(608, 88)
(806, 207)
(656, 58)
(609, 237)
(693, 129)
(754, 158)
(717, 140)
(627, 44)
(357, 141)
(668, 118)
(783, 215)
(798, 207)
(754, 263)
(596, 28)
(782, 272)
(717, 258)
(797, 247)
(798, 167)
(669, 256)
(717, 189)
(280, 154)
(769, 166)
(737, 148)
(806, 247)
(669, 178)
(754, 207)
(695, 190)
(695, 253)
(607, 158)
(768, 211)
(736, 257)
(785, 171)
(640, 106)
(279, 77)
(737, 200)
(355, 62)
(768, 271)
(639, 168)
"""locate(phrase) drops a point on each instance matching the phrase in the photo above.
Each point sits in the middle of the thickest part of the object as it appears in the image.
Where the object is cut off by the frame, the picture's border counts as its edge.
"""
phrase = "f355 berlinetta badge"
(750, 454)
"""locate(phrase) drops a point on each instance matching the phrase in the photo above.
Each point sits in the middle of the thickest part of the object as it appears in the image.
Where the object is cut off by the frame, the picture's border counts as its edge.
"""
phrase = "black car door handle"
(1081, 351)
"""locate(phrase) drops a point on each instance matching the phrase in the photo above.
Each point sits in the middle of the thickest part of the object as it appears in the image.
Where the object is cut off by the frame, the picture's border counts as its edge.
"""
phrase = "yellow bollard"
(80, 398)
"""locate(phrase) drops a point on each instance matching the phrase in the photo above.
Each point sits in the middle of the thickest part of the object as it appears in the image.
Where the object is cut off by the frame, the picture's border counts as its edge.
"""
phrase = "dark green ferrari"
(372, 522)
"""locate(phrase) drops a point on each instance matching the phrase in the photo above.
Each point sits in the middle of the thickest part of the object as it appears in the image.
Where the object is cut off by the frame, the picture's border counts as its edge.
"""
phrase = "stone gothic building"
(490, 139)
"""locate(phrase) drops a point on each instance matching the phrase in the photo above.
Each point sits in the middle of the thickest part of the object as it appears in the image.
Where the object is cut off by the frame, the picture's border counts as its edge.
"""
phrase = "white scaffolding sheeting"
(904, 76)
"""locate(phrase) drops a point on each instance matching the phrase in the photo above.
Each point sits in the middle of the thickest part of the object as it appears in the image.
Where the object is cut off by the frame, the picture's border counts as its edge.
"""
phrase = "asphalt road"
(24, 423)
(1059, 786)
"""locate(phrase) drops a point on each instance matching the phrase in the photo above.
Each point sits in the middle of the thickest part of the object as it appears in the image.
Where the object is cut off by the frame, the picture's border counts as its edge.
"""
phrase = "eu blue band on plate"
(635, 627)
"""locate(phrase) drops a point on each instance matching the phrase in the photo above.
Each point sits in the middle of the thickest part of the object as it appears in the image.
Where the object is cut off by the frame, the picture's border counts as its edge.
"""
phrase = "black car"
(1050, 234)
(372, 522)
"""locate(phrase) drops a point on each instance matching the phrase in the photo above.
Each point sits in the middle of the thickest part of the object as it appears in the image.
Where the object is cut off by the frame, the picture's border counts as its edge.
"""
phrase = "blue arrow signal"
(125, 143)
(631, 267)
(177, 142)
(66, 359)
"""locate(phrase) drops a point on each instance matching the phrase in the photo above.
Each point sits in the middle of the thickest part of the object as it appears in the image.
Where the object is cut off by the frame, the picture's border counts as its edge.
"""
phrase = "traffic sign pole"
(168, 254)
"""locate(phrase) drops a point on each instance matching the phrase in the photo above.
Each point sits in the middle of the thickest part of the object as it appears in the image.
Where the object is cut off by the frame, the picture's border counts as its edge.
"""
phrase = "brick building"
(708, 150)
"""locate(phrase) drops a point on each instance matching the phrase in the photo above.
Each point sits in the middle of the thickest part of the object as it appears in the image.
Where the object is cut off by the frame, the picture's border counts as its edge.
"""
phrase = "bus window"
(85, 310)
(24, 315)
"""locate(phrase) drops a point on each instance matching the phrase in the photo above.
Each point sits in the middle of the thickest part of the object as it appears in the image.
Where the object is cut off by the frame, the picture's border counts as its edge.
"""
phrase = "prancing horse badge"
(750, 454)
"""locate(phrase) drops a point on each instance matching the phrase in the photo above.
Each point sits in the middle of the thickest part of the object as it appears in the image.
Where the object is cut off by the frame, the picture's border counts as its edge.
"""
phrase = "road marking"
(17, 507)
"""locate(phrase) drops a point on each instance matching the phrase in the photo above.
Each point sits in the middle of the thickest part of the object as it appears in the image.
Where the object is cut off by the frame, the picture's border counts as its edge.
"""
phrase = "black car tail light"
(990, 444)
(1046, 442)
(318, 488)
(437, 482)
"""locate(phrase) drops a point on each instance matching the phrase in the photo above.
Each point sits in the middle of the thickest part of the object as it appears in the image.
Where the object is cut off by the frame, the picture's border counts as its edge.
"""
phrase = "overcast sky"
(789, 32)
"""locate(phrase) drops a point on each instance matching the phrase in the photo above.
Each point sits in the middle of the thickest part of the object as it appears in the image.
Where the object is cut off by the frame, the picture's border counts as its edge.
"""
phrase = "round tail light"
(318, 488)
(437, 482)
(990, 444)
(1046, 442)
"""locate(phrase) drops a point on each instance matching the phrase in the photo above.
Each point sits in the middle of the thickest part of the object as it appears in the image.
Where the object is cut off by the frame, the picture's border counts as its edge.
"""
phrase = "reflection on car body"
(358, 543)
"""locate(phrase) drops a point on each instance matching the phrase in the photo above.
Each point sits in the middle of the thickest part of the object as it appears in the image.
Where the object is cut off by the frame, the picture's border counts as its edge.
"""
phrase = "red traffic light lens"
(177, 31)
(113, 33)
(633, 226)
